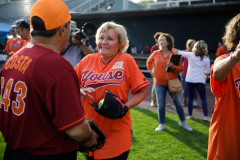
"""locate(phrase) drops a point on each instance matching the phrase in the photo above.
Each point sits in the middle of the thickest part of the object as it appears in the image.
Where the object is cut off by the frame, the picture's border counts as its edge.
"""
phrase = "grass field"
(174, 143)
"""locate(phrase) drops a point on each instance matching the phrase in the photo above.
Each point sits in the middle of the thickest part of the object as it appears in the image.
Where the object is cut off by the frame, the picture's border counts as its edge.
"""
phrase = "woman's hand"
(171, 65)
(151, 73)
(85, 92)
(206, 77)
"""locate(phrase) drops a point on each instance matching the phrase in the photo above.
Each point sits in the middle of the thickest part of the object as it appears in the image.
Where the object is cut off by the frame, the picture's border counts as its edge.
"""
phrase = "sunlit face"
(108, 44)
(163, 42)
(13, 33)
(21, 33)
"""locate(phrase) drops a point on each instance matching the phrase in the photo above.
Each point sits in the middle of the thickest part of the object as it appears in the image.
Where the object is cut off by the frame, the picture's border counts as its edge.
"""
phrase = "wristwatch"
(80, 43)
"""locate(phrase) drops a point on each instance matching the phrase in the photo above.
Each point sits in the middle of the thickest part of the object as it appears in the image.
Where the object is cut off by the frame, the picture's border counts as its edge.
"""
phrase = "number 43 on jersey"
(20, 88)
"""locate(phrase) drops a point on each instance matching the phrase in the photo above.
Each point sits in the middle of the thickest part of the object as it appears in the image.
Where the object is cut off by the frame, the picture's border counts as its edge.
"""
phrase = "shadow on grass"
(134, 140)
(184, 136)
(148, 112)
(202, 122)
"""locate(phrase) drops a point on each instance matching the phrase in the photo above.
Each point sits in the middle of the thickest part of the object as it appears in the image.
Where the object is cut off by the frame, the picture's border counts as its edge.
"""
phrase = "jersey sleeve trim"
(67, 126)
(138, 87)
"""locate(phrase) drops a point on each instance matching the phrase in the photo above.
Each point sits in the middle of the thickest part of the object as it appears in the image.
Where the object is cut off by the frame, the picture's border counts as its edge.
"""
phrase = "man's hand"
(10, 54)
(96, 140)
(93, 141)
(85, 92)
(75, 41)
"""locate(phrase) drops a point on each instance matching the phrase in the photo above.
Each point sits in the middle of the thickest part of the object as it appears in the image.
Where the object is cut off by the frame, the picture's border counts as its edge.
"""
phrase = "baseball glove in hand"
(113, 107)
(101, 140)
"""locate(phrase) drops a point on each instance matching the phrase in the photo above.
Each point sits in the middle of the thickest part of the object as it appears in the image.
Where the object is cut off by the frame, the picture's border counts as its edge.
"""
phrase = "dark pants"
(123, 156)
(14, 154)
(201, 88)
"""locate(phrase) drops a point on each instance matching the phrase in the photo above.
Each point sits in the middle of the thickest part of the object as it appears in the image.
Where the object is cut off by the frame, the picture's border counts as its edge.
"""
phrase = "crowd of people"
(51, 78)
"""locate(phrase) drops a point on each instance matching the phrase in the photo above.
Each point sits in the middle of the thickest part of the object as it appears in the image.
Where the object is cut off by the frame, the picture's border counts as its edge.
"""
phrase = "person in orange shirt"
(13, 44)
(153, 48)
(224, 131)
(23, 30)
(111, 69)
(166, 43)
(222, 49)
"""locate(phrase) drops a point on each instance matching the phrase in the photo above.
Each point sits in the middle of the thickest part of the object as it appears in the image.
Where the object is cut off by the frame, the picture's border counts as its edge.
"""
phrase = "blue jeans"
(185, 90)
(161, 92)
(201, 88)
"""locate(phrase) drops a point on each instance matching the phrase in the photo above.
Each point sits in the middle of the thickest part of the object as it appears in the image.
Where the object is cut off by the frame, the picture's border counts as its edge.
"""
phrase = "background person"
(222, 49)
(23, 30)
(224, 131)
(199, 63)
(1, 45)
(13, 44)
(41, 116)
(166, 44)
(117, 72)
(74, 49)
(153, 48)
(189, 45)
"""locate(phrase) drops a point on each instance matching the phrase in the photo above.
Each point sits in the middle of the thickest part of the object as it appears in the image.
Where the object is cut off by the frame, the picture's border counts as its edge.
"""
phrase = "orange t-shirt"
(160, 77)
(118, 76)
(14, 45)
(26, 41)
(221, 51)
(224, 132)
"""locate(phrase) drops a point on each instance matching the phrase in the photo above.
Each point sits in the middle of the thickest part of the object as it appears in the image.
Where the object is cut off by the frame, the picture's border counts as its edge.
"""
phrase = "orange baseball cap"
(54, 13)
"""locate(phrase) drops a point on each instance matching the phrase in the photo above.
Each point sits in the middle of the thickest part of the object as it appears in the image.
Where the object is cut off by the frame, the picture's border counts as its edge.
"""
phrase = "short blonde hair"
(120, 31)
(189, 42)
(232, 32)
(200, 48)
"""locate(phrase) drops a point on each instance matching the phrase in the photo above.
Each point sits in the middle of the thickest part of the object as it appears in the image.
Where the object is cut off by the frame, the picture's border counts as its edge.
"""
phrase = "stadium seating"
(12, 10)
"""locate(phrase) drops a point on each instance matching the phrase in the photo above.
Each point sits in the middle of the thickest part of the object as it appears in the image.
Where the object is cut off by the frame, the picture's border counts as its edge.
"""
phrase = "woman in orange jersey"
(224, 139)
(112, 70)
(166, 44)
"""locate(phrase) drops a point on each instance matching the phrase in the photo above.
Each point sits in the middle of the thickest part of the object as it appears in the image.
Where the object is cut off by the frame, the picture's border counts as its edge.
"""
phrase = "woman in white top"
(197, 74)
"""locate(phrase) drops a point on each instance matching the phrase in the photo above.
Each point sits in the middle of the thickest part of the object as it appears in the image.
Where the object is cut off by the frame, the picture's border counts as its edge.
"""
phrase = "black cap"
(22, 23)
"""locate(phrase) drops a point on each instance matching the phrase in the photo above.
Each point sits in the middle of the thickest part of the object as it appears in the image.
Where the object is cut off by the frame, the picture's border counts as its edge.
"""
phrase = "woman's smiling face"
(108, 43)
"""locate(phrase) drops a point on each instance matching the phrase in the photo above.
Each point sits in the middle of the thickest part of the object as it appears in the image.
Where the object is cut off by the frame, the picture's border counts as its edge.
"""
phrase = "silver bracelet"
(232, 59)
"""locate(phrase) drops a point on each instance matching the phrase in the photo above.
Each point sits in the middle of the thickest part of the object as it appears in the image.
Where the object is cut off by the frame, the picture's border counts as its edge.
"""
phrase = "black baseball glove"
(101, 140)
(113, 107)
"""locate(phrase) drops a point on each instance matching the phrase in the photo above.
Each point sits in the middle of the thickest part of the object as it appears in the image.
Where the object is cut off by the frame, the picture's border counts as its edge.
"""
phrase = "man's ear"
(62, 30)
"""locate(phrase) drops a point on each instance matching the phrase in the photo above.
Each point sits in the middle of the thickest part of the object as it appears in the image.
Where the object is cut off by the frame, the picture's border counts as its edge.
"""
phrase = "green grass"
(174, 143)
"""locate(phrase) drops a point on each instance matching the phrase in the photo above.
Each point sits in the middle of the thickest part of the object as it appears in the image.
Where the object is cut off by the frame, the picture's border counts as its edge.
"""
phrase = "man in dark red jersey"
(41, 116)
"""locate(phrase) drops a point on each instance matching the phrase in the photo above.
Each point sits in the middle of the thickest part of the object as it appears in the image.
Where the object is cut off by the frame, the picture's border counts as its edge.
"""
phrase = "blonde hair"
(232, 32)
(120, 31)
(200, 48)
(189, 42)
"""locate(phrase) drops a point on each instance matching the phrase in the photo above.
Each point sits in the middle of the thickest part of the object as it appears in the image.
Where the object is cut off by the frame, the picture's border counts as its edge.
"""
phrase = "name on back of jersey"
(19, 63)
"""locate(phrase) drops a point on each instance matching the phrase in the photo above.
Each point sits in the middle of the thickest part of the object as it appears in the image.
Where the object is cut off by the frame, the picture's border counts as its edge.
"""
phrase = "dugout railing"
(141, 62)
